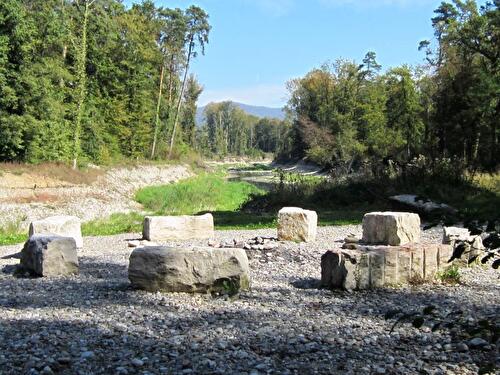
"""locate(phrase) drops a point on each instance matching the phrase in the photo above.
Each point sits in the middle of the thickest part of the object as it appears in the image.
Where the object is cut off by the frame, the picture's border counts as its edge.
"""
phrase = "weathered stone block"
(65, 226)
(391, 228)
(165, 228)
(50, 256)
(196, 269)
(377, 266)
(451, 234)
(297, 224)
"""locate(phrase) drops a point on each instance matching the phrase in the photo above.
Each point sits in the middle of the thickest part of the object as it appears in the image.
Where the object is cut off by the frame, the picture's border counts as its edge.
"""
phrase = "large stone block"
(196, 269)
(369, 267)
(297, 224)
(391, 228)
(65, 226)
(165, 228)
(50, 256)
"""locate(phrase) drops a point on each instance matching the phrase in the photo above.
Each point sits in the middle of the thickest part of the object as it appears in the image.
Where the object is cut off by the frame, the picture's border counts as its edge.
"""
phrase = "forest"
(94, 81)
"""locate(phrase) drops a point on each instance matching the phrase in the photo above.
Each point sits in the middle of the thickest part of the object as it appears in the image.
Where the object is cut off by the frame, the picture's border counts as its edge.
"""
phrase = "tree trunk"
(82, 78)
(179, 101)
(158, 105)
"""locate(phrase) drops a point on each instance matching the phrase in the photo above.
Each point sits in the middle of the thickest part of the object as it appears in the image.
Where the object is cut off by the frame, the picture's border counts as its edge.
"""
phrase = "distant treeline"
(346, 113)
(89, 80)
(228, 130)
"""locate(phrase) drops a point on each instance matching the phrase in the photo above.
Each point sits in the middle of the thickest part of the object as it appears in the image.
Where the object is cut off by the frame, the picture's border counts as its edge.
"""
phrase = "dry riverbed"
(27, 197)
(96, 324)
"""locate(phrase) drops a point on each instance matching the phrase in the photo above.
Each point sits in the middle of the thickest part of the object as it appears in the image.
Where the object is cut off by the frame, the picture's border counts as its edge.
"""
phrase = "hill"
(259, 111)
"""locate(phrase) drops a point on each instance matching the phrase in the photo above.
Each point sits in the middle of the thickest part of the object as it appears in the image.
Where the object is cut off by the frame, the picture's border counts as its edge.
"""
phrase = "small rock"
(87, 355)
(137, 362)
(477, 342)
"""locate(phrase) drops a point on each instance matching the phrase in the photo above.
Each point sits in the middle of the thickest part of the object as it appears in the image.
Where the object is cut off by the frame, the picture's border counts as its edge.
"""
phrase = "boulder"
(192, 270)
(297, 224)
(391, 228)
(44, 255)
(172, 228)
(65, 226)
(369, 267)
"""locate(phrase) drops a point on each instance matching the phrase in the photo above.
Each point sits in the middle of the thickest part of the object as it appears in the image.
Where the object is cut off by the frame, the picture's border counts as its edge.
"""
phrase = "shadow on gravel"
(306, 283)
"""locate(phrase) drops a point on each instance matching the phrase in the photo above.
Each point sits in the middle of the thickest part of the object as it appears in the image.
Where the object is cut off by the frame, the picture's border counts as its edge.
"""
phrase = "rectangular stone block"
(404, 266)
(50, 256)
(391, 267)
(377, 265)
(431, 263)
(297, 224)
(391, 228)
(178, 228)
(189, 269)
(417, 263)
(451, 234)
(65, 226)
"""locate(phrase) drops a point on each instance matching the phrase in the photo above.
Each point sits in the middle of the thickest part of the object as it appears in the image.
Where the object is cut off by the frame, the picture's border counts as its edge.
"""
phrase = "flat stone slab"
(391, 228)
(369, 267)
(44, 255)
(191, 270)
(65, 226)
(172, 228)
(297, 224)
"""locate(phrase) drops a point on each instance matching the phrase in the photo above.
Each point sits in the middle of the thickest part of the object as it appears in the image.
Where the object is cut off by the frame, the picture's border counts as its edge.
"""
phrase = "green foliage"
(10, 234)
(205, 192)
(228, 130)
(450, 275)
(80, 79)
(115, 224)
(345, 114)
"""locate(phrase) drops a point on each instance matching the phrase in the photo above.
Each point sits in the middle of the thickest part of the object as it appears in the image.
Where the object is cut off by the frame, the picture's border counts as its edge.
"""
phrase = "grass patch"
(11, 238)
(10, 234)
(203, 193)
(450, 275)
(115, 224)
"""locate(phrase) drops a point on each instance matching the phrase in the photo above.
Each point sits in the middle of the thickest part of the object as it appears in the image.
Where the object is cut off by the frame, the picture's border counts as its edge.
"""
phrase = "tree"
(188, 119)
(403, 108)
(197, 36)
(81, 74)
(171, 40)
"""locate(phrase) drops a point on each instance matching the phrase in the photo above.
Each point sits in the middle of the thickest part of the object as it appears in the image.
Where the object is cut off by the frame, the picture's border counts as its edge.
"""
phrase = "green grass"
(450, 275)
(206, 192)
(115, 224)
(10, 234)
(7, 238)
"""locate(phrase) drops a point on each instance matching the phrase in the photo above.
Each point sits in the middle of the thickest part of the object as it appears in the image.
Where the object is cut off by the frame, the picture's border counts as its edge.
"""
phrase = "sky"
(256, 46)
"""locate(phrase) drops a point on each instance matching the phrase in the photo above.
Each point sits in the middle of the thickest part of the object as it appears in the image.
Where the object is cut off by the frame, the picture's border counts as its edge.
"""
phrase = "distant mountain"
(258, 111)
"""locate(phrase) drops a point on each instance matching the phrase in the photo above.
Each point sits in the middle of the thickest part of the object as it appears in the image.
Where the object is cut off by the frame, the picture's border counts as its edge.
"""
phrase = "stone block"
(391, 228)
(178, 228)
(297, 224)
(65, 226)
(50, 256)
(380, 266)
(192, 270)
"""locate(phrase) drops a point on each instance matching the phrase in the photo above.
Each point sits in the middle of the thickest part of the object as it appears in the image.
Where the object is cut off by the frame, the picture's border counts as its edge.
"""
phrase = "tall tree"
(198, 29)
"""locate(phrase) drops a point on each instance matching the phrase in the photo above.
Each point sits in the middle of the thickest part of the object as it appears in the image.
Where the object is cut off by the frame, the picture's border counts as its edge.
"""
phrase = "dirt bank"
(28, 196)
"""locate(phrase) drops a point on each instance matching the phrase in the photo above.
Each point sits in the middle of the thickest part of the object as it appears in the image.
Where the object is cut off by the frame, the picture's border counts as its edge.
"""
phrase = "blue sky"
(256, 46)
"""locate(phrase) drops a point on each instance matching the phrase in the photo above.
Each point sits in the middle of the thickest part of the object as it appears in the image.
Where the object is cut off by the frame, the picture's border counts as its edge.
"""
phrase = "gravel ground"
(96, 324)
